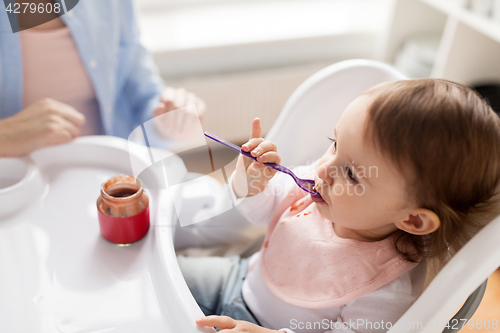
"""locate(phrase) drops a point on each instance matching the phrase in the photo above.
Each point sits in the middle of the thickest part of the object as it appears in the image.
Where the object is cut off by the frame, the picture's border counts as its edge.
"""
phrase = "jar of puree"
(123, 210)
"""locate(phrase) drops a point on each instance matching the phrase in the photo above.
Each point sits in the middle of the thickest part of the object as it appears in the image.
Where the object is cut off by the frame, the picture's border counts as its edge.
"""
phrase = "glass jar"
(123, 210)
(122, 196)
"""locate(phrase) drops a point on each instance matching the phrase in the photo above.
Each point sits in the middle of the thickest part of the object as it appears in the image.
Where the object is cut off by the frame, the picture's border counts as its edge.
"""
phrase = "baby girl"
(410, 175)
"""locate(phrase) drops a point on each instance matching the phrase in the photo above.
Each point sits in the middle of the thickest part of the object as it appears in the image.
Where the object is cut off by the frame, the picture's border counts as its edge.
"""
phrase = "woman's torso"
(52, 68)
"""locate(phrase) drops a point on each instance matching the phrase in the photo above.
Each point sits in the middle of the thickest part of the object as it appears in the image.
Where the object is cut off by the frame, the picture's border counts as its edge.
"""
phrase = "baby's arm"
(267, 196)
(250, 176)
(274, 196)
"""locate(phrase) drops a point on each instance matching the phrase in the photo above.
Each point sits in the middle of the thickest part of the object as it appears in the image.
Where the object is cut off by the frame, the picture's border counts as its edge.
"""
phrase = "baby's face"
(362, 190)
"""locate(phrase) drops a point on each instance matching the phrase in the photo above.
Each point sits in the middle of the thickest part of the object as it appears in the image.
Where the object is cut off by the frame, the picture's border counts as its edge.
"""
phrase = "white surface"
(495, 11)
(418, 54)
(254, 22)
(481, 7)
(20, 183)
(248, 35)
(470, 42)
(467, 55)
(60, 275)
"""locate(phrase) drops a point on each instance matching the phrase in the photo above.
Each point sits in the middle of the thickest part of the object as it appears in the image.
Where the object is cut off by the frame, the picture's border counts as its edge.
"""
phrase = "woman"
(83, 73)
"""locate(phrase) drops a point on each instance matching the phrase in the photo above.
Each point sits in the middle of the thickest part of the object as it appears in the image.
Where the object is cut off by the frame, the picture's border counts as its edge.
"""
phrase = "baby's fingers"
(256, 129)
(269, 157)
(255, 136)
(222, 322)
(252, 144)
(263, 147)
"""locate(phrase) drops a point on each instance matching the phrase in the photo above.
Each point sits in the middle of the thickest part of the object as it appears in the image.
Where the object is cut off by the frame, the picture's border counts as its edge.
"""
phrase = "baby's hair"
(445, 140)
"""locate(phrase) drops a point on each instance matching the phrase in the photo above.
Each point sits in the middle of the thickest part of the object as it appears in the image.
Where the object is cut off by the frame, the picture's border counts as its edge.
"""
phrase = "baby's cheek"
(341, 190)
(346, 203)
(338, 215)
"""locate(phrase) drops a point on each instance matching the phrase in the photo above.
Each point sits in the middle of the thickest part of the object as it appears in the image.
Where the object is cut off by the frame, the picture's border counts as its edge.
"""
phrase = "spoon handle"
(305, 184)
(239, 150)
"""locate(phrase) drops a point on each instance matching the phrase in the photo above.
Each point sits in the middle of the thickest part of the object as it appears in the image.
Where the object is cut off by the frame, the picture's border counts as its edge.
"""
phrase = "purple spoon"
(305, 184)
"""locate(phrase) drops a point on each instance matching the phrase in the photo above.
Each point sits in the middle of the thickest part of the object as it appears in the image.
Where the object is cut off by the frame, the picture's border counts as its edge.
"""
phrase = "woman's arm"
(146, 92)
(44, 123)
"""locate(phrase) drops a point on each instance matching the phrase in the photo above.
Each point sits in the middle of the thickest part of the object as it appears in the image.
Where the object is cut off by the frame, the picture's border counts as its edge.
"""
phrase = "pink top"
(293, 259)
(52, 68)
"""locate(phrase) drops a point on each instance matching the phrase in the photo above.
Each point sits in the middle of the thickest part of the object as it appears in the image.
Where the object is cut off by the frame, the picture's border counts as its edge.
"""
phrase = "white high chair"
(327, 93)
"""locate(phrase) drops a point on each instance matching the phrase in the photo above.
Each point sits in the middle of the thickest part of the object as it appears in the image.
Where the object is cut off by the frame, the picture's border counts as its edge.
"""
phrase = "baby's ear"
(420, 221)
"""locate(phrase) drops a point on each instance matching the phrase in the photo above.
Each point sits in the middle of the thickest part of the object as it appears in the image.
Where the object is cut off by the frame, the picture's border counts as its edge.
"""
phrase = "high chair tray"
(58, 274)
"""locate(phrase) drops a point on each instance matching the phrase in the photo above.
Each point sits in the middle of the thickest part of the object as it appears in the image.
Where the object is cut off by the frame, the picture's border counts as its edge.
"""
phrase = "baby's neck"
(363, 235)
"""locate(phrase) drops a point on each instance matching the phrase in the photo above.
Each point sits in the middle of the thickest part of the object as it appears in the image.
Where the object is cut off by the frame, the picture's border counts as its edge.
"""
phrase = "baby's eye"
(351, 176)
(334, 144)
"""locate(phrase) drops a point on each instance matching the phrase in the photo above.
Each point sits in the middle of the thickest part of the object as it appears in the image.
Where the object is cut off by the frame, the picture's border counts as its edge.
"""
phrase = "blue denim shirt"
(122, 72)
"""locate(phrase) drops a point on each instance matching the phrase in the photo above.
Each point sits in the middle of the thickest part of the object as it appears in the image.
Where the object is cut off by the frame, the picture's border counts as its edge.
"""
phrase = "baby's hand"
(251, 176)
(235, 326)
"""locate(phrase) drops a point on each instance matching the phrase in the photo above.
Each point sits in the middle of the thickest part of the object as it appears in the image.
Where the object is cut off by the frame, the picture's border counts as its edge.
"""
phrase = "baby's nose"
(325, 174)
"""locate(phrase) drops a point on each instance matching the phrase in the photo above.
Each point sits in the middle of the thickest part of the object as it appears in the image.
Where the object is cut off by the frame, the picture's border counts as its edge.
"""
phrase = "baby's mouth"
(316, 198)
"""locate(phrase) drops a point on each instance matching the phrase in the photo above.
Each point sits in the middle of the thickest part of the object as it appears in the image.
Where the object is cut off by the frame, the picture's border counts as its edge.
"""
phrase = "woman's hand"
(44, 123)
(251, 176)
(178, 125)
(229, 325)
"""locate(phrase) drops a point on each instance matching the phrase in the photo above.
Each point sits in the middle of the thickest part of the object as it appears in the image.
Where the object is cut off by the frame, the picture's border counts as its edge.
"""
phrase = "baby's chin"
(322, 208)
(324, 213)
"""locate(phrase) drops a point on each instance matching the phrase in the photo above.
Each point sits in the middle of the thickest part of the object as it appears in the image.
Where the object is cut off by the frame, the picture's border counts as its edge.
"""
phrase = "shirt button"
(92, 63)
(69, 14)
